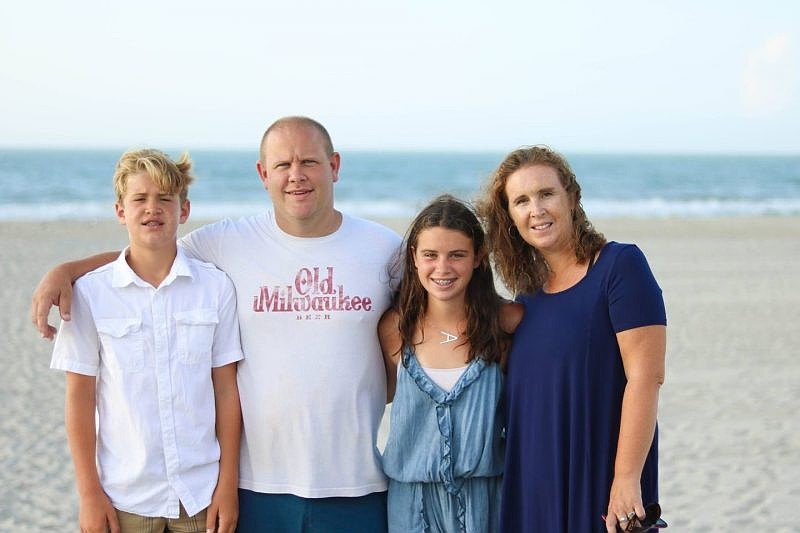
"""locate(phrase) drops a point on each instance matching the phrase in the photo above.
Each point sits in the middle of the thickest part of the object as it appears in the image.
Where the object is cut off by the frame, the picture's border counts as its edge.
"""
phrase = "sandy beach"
(730, 432)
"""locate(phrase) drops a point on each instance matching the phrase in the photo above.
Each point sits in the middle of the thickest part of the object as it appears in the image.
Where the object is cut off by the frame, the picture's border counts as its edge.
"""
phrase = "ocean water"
(76, 184)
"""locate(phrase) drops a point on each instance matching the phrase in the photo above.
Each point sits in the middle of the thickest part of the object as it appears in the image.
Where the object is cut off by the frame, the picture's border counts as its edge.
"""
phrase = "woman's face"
(540, 208)
(445, 260)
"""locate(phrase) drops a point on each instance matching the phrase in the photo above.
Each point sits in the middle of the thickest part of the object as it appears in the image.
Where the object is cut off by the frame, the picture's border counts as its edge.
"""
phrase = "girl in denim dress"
(443, 344)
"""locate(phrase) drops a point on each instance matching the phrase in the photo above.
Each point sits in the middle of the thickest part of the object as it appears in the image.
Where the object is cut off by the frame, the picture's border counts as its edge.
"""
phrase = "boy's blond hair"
(171, 177)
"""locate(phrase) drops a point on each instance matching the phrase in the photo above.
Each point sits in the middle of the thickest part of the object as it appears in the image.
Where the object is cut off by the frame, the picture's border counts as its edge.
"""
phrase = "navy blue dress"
(563, 397)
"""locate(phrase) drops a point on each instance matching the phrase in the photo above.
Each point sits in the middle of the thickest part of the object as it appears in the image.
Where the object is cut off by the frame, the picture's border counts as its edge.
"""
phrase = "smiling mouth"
(540, 227)
(299, 192)
(443, 282)
(152, 223)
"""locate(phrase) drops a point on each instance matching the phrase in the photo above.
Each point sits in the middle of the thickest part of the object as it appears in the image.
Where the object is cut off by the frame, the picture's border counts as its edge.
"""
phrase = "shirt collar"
(124, 274)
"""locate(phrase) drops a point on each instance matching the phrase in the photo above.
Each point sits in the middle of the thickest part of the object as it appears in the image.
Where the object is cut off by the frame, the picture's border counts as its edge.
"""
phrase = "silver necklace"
(448, 337)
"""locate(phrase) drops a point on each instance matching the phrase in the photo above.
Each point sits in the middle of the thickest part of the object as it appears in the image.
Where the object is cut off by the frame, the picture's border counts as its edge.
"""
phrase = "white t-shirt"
(313, 384)
(152, 350)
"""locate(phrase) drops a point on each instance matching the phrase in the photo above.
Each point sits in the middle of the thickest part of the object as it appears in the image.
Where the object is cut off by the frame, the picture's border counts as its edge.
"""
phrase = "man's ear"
(335, 162)
(262, 174)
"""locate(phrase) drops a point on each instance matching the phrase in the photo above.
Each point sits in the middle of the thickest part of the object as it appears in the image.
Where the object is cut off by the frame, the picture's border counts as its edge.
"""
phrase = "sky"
(666, 76)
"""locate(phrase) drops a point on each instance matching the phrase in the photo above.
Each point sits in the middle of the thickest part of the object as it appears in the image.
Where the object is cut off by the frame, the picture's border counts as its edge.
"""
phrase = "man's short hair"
(298, 120)
(171, 177)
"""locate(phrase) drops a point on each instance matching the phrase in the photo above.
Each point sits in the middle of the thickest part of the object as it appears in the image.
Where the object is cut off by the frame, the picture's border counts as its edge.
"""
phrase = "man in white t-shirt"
(311, 285)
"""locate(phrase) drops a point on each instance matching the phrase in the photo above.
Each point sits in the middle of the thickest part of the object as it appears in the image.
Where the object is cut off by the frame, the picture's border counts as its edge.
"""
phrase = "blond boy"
(152, 407)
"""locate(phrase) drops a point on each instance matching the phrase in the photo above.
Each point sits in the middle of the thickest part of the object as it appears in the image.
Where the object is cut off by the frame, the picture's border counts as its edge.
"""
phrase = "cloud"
(770, 80)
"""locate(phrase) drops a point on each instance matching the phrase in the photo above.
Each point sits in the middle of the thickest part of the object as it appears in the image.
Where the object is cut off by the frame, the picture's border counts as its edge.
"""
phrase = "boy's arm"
(223, 513)
(96, 511)
(55, 288)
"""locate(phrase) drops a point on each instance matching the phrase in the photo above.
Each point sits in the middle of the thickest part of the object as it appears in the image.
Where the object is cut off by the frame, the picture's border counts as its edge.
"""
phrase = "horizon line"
(373, 150)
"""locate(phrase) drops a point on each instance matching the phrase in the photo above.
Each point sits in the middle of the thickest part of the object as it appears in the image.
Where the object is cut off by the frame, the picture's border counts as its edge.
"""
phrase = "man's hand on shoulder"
(55, 288)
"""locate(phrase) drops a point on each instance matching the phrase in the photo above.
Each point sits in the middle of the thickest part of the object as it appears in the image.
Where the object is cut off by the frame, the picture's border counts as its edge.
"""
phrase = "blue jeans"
(287, 513)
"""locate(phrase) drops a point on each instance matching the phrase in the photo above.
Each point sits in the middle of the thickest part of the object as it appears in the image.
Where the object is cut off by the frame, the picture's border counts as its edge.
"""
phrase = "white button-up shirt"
(152, 351)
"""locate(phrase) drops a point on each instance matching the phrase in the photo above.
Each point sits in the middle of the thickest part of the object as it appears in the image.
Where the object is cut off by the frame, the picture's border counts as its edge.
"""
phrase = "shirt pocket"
(195, 331)
(123, 342)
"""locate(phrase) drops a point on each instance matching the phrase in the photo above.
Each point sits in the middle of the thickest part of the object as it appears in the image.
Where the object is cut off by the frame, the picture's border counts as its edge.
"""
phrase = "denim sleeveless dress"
(444, 455)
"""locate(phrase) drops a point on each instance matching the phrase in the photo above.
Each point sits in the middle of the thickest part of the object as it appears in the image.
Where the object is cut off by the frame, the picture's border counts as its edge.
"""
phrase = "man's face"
(299, 176)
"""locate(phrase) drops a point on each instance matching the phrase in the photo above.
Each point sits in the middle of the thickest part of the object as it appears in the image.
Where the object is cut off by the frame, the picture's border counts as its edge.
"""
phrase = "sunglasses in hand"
(652, 520)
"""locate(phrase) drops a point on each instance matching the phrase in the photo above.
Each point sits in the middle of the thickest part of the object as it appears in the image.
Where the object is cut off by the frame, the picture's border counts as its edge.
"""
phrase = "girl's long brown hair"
(486, 339)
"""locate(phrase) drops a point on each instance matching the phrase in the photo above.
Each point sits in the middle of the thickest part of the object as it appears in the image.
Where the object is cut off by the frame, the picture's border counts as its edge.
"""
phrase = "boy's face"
(152, 217)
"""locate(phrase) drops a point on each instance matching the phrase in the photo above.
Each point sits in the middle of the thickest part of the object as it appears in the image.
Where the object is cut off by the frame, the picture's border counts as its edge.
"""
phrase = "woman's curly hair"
(521, 266)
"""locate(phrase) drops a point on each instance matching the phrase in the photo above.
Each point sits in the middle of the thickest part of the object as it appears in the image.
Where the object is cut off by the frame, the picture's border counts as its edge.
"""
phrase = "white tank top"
(445, 377)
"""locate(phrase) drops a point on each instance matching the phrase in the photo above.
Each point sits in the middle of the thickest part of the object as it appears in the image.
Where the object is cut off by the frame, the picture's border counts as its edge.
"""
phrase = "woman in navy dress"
(587, 359)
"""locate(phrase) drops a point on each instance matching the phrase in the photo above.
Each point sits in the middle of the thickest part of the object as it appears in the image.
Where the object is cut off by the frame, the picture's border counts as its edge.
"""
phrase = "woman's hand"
(625, 503)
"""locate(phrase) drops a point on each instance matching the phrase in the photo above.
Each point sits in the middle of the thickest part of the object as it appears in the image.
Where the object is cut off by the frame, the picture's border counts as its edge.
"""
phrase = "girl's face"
(541, 208)
(445, 260)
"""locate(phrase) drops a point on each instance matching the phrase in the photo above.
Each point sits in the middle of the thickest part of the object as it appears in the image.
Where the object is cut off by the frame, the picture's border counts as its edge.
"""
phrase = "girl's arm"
(510, 316)
(643, 352)
(389, 336)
